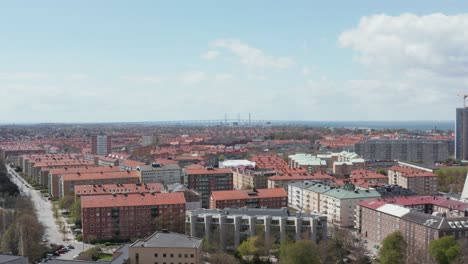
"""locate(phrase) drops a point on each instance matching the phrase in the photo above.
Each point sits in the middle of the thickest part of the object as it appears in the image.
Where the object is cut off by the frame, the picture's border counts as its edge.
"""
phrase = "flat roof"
(164, 239)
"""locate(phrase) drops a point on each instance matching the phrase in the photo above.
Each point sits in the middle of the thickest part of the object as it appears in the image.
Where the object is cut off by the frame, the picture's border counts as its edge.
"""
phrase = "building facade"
(421, 181)
(255, 198)
(461, 152)
(166, 247)
(130, 216)
(413, 150)
(205, 180)
(227, 228)
(163, 173)
(101, 145)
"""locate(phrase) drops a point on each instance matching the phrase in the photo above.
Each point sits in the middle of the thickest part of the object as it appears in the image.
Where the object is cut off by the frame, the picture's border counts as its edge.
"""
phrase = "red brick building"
(205, 180)
(119, 188)
(131, 216)
(256, 198)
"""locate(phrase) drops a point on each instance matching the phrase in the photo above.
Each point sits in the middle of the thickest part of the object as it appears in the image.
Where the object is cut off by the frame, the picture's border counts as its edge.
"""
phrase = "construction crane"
(463, 156)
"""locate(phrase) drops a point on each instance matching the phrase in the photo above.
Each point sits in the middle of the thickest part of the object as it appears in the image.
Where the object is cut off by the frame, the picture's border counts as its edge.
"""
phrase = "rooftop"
(165, 239)
(123, 200)
(249, 194)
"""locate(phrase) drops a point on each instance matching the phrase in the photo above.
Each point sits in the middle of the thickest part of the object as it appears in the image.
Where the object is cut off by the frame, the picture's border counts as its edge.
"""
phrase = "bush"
(79, 237)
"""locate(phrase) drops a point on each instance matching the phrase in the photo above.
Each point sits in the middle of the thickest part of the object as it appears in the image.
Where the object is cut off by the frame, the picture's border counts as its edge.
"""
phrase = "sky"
(132, 61)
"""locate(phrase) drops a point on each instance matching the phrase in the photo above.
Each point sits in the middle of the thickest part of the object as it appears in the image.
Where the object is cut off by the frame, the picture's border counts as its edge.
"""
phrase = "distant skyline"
(132, 61)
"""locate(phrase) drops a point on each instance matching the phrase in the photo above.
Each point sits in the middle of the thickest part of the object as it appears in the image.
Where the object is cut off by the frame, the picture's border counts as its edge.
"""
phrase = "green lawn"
(105, 257)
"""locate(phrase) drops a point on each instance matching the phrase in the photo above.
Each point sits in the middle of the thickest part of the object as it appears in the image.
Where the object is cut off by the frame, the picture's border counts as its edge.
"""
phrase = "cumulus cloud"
(253, 57)
(435, 43)
(210, 55)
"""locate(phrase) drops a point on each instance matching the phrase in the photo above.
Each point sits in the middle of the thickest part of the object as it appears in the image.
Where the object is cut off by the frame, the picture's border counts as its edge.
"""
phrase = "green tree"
(66, 202)
(302, 251)
(445, 249)
(382, 171)
(75, 210)
(393, 249)
(250, 248)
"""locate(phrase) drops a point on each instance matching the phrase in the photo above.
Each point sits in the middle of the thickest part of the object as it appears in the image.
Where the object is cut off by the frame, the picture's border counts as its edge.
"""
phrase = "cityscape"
(159, 132)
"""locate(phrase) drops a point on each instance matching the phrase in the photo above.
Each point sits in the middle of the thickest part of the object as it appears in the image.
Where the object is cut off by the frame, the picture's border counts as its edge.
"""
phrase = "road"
(46, 217)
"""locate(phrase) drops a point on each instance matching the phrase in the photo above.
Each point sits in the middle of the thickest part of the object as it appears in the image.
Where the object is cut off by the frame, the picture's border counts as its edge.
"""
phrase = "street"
(46, 217)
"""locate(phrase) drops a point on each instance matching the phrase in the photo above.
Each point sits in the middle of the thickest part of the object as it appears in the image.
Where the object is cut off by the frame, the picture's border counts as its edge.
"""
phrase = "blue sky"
(95, 61)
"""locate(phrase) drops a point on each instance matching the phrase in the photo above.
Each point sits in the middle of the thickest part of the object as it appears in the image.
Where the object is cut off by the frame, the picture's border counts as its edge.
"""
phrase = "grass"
(105, 257)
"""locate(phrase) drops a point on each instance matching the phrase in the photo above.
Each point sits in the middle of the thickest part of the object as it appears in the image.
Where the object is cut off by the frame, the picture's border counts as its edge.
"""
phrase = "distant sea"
(411, 125)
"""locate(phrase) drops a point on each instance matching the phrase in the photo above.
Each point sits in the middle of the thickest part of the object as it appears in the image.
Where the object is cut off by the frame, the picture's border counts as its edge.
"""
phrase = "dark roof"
(165, 239)
(8, 258)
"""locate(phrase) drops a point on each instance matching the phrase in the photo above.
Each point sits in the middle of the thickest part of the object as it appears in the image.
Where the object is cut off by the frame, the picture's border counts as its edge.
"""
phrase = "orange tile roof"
(97, 176)
(117, 188)
(199, 170)
(412, 172)
(366, 174)
(244, 194)
(84, 169)
(121, 200)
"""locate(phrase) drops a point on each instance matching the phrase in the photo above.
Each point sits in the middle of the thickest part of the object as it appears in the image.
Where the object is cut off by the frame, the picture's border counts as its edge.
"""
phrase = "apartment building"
(166, 247)
(229, 227)
(205, 180)
(246, 178)
(118, 188)
(163, 173)
(130, 216)
(40, 170)
(282, 180)
(255, 198)
(101, 145)
(67, 182)
(419, 180)
(413, 150)
(305, 196)
(376, 219)
(54, 175)
(309, 162)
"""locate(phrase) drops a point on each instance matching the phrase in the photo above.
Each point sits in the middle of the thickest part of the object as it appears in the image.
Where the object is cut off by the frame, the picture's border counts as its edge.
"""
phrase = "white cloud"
(210, 55)
(223, 76)
(257, 77)
(193, 77)
(253, 57)
(78, 76)
(306, 71)
(23, 76)
(436, 43)
(143, 78)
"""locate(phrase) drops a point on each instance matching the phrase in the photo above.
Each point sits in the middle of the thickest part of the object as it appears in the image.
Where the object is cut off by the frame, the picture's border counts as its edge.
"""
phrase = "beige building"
(166, 247)
(421, 181)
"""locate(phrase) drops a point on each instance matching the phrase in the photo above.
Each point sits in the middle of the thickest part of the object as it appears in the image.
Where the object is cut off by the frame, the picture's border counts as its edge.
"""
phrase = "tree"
(302, 251)
(445, 249)
(66, 202)
(382, 171)
(393, 249)
(75, 210)
(222, 258)
(250, 248)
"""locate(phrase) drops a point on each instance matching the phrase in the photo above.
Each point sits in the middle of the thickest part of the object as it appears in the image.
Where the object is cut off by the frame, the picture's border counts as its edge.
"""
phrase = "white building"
(163, 173)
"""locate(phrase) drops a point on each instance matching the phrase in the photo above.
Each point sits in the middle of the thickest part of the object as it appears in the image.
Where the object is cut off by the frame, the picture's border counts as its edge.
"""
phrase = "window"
(185, 255)
(164, 255)
(172, 255)
(180, 255)
(156, 255)
(191, 255)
